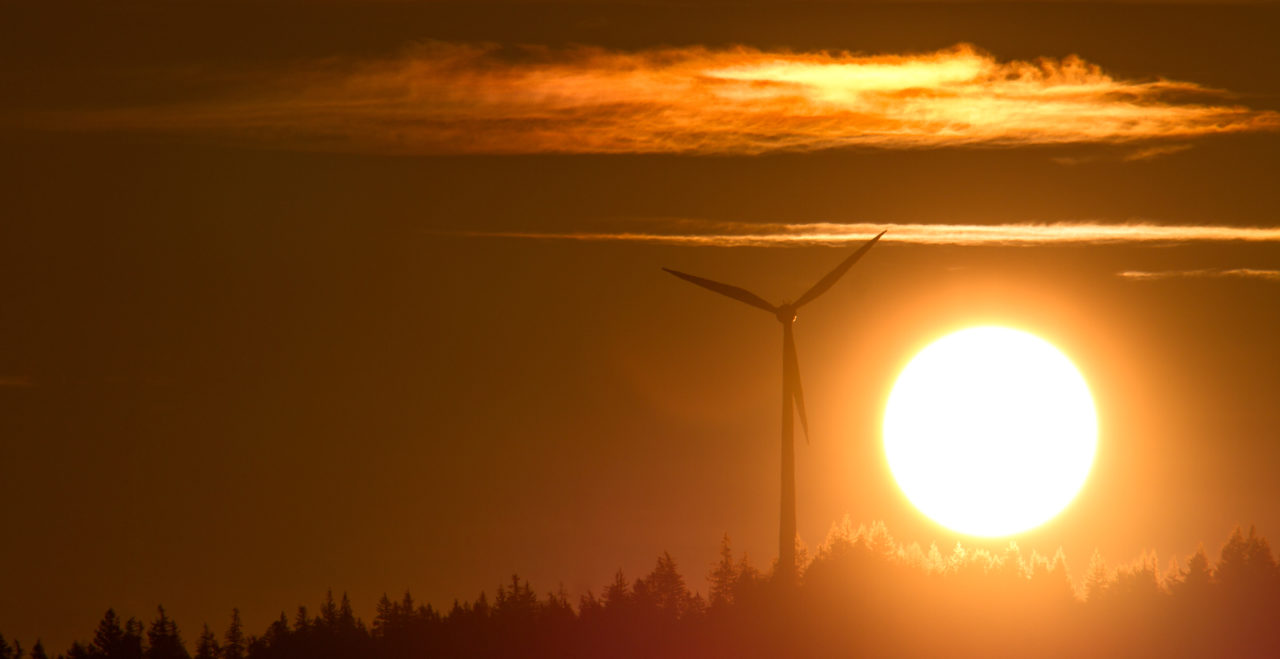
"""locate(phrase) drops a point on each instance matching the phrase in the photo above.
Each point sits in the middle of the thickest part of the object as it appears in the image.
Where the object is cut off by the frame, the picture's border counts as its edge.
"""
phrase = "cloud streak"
(743, 234)
(1153, 152)
(443, 98)
(1214, 273)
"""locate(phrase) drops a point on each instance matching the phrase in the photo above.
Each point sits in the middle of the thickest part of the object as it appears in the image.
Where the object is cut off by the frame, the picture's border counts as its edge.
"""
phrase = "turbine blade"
(797, 391)
(739, 294)
(826, 282)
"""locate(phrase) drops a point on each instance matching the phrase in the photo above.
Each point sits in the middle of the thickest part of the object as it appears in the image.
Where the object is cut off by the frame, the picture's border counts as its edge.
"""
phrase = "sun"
(990, 431)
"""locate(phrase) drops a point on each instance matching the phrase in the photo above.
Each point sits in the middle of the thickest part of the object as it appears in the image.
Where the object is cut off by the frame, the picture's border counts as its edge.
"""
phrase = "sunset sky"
(367, 295)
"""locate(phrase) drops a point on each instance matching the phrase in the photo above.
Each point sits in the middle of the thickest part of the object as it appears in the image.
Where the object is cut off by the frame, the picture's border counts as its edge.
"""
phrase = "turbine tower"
(792, 393)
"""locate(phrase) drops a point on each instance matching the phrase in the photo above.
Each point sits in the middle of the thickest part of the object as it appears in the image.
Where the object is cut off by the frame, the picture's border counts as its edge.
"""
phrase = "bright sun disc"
(990, 431)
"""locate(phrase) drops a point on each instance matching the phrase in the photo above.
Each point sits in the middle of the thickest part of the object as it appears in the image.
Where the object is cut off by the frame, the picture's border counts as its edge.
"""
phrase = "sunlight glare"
(990, 431)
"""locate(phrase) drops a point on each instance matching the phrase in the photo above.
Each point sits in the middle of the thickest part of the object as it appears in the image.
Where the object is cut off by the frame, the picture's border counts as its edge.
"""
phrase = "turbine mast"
(787, 521)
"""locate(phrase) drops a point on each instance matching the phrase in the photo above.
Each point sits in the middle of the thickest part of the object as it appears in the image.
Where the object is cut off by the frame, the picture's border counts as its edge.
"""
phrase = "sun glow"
(990, 431)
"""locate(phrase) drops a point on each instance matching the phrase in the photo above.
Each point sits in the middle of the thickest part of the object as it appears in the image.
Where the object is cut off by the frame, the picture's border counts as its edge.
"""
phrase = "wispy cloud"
(1140, 154)
(744, 234)
(456, 98)
(1243, 273)
(1153, 152)
(15, 381)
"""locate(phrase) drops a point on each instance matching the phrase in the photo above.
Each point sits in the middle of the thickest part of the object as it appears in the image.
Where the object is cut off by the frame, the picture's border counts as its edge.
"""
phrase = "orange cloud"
(743, 234)
(451, 98)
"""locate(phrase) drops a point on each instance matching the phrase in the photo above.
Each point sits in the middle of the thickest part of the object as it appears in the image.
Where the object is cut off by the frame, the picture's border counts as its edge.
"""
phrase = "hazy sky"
(260, 336)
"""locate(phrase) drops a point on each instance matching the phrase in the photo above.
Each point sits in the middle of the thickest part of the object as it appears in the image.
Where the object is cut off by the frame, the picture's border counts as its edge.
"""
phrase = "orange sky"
(275, 317)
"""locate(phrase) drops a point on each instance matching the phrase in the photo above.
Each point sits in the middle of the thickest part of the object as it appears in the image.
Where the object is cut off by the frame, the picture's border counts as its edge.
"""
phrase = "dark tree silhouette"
(10, 651)
(863, 593)
(664, 592)
(724, 575)
(233, 643)
(112, 640)
(207, 647)
(163, 640)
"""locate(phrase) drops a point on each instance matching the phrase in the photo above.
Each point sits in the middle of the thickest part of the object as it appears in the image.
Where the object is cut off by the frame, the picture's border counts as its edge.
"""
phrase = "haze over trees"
(860, 593)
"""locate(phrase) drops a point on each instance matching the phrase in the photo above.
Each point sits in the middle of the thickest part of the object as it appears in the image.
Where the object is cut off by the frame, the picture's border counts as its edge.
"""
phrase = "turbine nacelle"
(786, 315)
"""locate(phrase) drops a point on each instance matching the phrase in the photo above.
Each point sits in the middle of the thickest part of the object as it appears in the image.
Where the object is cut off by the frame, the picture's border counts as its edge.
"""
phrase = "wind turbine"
(792, 393)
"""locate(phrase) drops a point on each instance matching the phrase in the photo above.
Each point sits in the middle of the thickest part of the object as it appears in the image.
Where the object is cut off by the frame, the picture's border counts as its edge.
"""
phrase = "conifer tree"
(664, 589)
(301, 622)
(723, 576)
(108, 637)
(1097, 580)
(346, 617)
(1059, 576)
(385, 618)
(517, 603)
(133, 639)
(617, 594)
(163, 640)
(1233, 563)
(207, 647)
(111, 640)
(233, 642)
(747, 580)
(329, 611)
(1197, 578)
(1258, 555)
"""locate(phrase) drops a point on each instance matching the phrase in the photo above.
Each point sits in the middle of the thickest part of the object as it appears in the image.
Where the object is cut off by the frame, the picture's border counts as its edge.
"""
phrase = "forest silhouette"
(860, 592)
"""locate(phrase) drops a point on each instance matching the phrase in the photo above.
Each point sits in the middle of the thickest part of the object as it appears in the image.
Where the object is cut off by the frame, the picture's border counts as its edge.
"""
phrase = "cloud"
(743, 234)
(1243, 273)
(15, 381)
(1135, 155)
(1153, 152)
(443, 98)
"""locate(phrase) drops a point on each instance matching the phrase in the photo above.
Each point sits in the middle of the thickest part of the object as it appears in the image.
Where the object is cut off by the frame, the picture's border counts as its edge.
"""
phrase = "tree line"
(859, 592)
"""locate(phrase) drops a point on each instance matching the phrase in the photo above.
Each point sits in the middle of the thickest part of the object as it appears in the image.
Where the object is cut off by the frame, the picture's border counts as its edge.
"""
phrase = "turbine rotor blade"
(739, 294)
(831, 278)
(793, 373)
